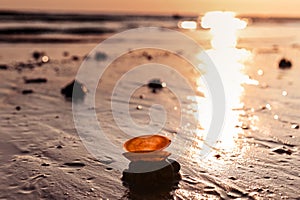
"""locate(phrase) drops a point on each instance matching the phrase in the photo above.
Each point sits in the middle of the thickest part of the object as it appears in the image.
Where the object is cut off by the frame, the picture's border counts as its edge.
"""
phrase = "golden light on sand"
(191, 25)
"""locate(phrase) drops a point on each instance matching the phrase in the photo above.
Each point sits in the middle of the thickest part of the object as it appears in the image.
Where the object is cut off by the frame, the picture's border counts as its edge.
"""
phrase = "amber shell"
(147, 143)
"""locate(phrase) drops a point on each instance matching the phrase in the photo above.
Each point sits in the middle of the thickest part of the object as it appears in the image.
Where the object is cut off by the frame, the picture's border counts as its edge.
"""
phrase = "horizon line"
(134, 13)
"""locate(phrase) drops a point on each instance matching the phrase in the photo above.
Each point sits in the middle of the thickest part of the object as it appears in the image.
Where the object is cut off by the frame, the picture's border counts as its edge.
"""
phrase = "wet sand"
(43, 157)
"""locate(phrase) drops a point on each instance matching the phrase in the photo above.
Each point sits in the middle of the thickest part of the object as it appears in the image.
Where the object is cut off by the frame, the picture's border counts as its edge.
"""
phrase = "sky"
(253, 7)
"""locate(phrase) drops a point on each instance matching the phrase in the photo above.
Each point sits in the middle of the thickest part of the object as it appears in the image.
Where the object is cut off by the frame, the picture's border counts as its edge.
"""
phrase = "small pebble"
(284, 93)
(218, 156)
(45, 164)
(27, 92)
(75, 86)
(139, 107)
(75, 58)
(245, 127)
(99, 56)
(18, 108)
(156, 84)
(59, 147)
(282, 150)
(66, 54)
(295, 126)
(284, 64)
(260, 72)
(3, 67)
(45, 59)
(36, 80)
(142, 96)
(147, 55)
(74, 164)
(232, 178)
(36, 55)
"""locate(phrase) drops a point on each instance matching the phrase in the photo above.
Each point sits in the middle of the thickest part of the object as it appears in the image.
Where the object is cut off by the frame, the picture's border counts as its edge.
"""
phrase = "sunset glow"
(195, 7)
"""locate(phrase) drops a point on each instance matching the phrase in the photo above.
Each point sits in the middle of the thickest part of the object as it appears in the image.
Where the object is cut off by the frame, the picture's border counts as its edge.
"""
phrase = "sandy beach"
(43, 157)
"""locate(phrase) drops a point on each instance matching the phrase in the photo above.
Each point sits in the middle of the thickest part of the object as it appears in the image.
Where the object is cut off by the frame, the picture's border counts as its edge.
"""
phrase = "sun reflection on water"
(223, 28)
(191, 25)
(230, 62)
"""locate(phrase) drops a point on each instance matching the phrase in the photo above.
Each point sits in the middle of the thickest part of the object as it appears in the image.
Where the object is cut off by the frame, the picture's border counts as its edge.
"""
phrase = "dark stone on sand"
(232, 178)
(25, 151)
(74, 90)
(36, 55)
(3, 67)
(285, 64)
(282, 150)
(45, 164)
(66, 54)
(295, 126)
(218, 156)
(59, 147)
(35, 80)
(27, 92)
(18, 108)
(245, 127)
(99, 56)
(149, 181)
(75, 58)
(156, 84)
(147, 55)
(74, 164)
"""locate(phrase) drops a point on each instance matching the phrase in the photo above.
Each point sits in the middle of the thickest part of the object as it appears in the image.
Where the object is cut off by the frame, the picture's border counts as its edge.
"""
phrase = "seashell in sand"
(147, 143)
